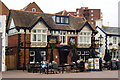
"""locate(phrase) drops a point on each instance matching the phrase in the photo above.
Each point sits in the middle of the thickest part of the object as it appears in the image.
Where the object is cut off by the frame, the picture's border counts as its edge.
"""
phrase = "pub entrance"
(63, 54)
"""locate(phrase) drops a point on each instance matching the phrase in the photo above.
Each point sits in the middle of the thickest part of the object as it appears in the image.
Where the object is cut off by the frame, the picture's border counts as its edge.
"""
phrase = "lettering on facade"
(39, 44)
(84, 45)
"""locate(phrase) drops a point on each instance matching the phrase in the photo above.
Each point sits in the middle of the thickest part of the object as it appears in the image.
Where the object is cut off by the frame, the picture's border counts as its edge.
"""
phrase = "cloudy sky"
(109, 7)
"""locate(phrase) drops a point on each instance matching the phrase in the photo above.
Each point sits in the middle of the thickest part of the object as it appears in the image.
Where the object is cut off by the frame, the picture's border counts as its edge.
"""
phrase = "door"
(63, 57)
(11, 62)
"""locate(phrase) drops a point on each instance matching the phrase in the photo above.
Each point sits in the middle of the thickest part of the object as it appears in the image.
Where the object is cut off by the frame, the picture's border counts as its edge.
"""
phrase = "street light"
(100, 38)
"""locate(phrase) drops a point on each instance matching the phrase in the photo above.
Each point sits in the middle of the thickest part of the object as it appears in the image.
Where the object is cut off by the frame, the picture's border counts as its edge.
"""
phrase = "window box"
(110, 44)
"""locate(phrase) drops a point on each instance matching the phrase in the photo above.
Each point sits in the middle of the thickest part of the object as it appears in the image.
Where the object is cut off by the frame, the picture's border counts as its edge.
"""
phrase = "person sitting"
(43, 66)
(55, 66)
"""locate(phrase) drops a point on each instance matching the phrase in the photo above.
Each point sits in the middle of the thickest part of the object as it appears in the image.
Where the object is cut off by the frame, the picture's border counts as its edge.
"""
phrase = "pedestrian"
(86, 66)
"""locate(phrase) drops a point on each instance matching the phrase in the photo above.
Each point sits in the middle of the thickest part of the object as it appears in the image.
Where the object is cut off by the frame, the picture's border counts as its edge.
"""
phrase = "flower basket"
(110, 44)
(119, 44)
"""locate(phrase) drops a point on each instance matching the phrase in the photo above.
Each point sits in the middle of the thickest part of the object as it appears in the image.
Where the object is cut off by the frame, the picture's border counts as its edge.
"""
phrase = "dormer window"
(33, 9)
(62, 19)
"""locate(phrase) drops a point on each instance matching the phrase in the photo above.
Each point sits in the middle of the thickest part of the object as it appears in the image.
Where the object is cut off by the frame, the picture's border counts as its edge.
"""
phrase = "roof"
(32, 5)
(28, 19)
(3, 9)
(113, 30)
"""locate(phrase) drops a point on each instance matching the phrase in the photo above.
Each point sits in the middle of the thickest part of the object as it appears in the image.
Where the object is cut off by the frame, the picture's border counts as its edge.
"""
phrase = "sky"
(109, 8)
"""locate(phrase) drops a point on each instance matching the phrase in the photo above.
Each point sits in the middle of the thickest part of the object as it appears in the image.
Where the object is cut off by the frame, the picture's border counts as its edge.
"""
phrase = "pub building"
(34, 37)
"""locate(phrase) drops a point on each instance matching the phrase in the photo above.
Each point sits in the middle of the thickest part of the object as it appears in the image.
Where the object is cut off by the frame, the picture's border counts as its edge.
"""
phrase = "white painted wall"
(3, 31)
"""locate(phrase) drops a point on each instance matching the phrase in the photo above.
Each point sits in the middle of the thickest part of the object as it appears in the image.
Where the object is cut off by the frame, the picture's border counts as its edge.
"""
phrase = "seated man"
(55, 66)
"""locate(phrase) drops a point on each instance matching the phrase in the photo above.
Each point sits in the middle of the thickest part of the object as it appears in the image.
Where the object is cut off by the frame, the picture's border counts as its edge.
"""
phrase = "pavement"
(91, 74)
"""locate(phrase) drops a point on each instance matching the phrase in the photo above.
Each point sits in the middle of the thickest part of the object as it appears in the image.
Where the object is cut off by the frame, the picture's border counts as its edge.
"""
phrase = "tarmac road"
(92, 74)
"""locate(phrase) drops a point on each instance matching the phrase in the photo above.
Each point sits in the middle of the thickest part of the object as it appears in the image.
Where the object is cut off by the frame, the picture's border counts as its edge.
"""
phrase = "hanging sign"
(52, 40)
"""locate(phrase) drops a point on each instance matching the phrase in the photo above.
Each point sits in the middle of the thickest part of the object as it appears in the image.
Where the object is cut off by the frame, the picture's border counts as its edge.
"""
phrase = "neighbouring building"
(31, 36)
(119, 14)
(111, 40)
(89, 14)
(32, 7)
(4, 11)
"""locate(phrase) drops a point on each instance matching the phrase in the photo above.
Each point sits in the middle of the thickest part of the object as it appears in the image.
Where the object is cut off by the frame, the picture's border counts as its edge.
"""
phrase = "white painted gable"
(86, 28)
(40, 25)
(12, 25)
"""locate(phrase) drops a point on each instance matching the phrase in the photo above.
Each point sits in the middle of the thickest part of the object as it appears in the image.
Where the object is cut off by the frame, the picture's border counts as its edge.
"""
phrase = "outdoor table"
(33, 67)
(64, 66)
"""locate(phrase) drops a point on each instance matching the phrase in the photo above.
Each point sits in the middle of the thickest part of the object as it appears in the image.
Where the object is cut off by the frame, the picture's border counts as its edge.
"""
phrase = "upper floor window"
(85, 37)
(114, 40)
(92, 11)
(0, 24)
(39, 35)
(61, 19)
(91, 18)
(92, 14)
(63, 37)
(33, 9)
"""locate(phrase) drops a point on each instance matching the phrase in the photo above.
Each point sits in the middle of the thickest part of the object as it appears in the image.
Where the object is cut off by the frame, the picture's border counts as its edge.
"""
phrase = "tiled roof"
(113, 30)
(27, 19)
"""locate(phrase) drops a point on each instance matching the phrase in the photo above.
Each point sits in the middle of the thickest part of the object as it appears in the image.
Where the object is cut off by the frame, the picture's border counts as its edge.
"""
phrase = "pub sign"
(52, 40)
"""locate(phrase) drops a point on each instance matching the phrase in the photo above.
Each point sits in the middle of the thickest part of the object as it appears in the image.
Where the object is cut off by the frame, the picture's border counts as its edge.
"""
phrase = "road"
(92, 74)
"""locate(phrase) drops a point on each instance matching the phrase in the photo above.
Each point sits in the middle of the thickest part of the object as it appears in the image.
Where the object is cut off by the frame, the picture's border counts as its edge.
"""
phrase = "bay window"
(39, 35)
(85, 37)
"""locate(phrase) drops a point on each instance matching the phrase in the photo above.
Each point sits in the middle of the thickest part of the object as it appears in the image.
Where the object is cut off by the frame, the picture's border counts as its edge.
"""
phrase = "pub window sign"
(52, 40)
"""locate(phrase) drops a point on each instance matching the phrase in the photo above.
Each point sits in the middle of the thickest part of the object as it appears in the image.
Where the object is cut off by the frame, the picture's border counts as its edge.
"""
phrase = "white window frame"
(33, 9)
(114, 40)
(86, 39)
(63, 34)
(37, 33)
(92, 11)
(92, 14)
(92, 19)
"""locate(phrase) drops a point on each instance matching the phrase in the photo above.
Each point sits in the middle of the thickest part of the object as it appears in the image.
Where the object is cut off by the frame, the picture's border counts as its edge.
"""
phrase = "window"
(63, 37)
(92, 22)
(85, 37)
(39, 35)
(33, 10)
(92, 11)
(0, 24)
(62, 19)
(114, 40)
(91, 18)
(92, 15)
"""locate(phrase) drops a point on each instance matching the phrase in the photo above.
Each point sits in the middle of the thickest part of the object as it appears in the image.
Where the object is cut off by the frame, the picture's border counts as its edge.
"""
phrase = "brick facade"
(33, 5)
(3, 9)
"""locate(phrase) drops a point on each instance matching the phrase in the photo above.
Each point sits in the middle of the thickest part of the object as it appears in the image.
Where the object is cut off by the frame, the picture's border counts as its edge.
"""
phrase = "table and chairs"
(50, 68)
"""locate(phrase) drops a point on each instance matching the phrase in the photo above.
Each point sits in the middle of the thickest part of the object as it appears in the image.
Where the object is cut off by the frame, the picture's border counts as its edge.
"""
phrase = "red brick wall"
(3, 9)
(33, 5)
(13, 40)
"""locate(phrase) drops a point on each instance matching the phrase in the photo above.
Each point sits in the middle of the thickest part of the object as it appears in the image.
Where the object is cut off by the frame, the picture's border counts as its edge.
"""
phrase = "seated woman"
(43, 66)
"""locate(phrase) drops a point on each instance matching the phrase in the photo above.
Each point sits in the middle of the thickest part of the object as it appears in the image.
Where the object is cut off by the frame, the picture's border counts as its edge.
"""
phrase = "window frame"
(83, 37)
(34, 10)
(62, 19)
(38, 34)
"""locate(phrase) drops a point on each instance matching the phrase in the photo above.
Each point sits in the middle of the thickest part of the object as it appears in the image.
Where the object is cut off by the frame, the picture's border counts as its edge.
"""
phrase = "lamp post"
(100, 38)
